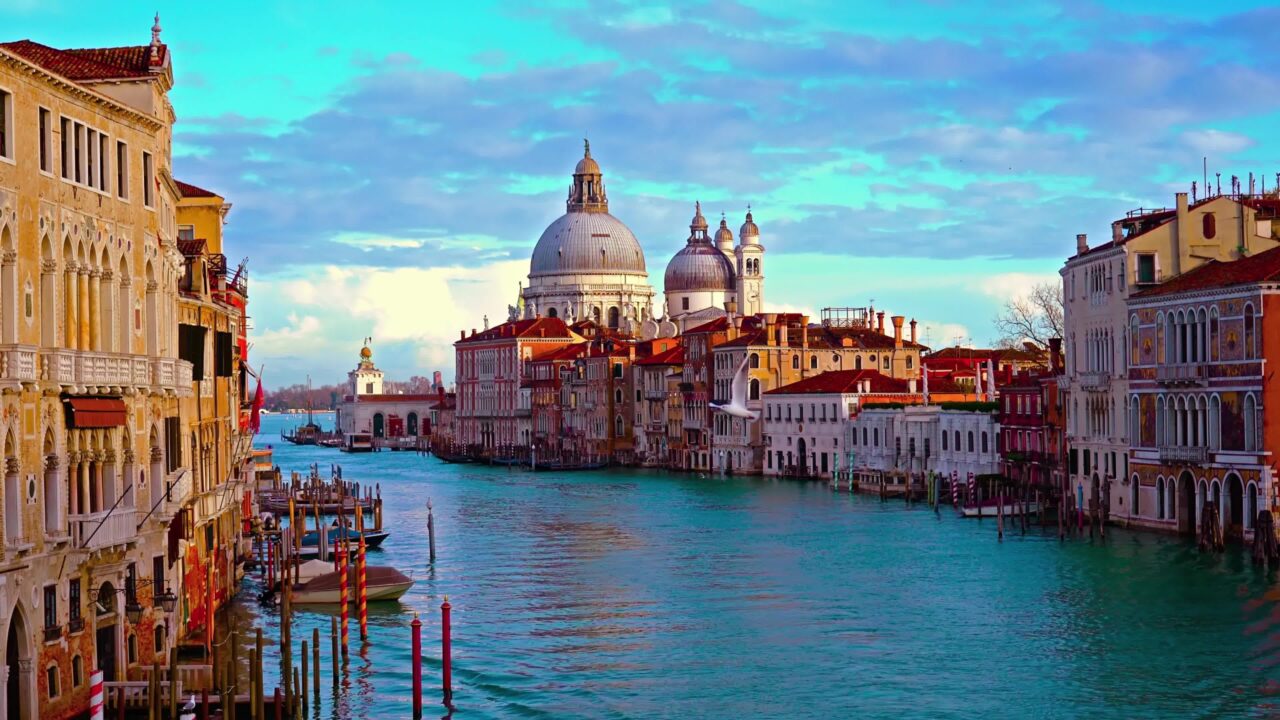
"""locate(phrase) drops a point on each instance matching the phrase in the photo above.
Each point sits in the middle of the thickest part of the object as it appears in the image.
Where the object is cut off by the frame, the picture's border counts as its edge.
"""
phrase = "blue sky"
(392, 164)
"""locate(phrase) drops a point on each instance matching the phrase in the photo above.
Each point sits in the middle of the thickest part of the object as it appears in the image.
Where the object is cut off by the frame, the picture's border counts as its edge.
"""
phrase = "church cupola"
(724, 237)
(587, 193)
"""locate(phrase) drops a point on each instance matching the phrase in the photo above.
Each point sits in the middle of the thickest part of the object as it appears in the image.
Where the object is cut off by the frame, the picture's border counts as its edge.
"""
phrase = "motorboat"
(382, 583)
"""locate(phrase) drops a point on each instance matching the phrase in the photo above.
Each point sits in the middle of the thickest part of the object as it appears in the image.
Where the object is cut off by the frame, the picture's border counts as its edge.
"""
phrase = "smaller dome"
(698, 222)
(365, 353)
(587, 165)
(749, 229)
(724, 236)
(698, 266)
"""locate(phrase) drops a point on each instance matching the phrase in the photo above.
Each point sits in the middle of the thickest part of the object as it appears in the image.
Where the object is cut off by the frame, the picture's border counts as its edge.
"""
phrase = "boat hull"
(993, 510)
(393, 591)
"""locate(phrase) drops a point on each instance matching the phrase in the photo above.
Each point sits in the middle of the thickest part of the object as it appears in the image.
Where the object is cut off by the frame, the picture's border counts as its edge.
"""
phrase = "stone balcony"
(104, 529)
(1181, 374)
(114, 373)
(17, 366)
(1097, 381)
(178, 490)
(1180, 455)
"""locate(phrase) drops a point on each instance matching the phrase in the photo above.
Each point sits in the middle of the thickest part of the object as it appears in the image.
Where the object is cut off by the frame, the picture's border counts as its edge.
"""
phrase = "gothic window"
(754, 390)
(1249, 350)
(755, 360)
(813, 362)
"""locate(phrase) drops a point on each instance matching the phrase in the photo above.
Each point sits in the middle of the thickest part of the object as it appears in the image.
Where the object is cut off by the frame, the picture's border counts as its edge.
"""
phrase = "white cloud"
(1008, 286)
(1216, 142)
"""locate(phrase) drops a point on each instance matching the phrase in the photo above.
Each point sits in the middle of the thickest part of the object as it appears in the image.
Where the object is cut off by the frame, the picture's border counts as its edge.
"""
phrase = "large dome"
(587, 242)
(698, 266)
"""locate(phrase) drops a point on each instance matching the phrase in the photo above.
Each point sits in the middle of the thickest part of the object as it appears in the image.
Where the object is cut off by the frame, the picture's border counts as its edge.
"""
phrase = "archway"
(1190, 503)
(551, 313)
(1233, 513)
(613, 317)
(411, 424)
(803, 456)
(20, 699)
(378, 425)
(1250, 506)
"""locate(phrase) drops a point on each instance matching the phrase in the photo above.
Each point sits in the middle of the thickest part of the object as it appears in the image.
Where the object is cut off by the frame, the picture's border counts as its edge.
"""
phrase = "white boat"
(992, 509)
(384, 583)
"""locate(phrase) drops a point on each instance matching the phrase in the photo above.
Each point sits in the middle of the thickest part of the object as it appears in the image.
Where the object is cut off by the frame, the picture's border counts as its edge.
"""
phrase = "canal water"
(638, 594)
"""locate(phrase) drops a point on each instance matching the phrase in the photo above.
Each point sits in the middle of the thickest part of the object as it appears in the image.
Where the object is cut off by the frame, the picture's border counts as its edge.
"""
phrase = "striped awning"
(95, 412)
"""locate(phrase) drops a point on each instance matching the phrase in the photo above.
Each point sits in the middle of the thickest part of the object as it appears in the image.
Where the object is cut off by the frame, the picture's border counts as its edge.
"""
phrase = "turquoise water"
(635, 594)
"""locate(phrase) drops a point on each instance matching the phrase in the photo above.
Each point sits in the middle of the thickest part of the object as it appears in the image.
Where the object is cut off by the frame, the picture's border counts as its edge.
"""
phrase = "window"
(191, 347)
(131, 649)
(65, 135)
(46, 140)
(223, 354)
(684, 303)
(6, 124)
(754, 390)
(984, 441)
(148, 180)
(795, 362)
(1248, 332)
(104, 165)
(1209, 226)
(1146, 269)
(157, 574)
(77, 671)
(122, 170)
(173, 447)
(160, 646)
(755, 360)
(813, 362)
(51, 678)
(73, 604)
(909, 362)
(944, 439)
(50, 607)
(970, 441)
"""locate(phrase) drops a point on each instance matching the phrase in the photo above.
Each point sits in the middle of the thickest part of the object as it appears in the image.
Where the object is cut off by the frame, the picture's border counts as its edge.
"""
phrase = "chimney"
(1055, 355)
(1082, 244)
(1181, 203)
(913, 331)
(731, 308)
(1117, 231)
(880, 322)
(846, 342)
(804, 336)
(782, 334)
(897, 330)
(473, 332)
(737, 323)
(462, 334)
(911, 386)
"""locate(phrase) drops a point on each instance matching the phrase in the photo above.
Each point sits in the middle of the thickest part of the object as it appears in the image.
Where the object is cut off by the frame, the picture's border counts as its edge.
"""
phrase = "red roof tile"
(1215, 274)
(673, 356)
(191, 191)
(843, 381)
(88, 63)
(718, 325)
(540, 327)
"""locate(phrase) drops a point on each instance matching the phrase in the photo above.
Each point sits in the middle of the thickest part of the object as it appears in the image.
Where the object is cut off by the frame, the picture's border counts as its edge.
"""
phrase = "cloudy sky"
(392, 164)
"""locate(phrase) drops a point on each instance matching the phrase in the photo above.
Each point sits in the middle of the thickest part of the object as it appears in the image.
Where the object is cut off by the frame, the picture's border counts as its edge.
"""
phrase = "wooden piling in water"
(416, 625)
(259, 691)
(279, 706)
(302, 689)
(333, 638)
(252, 683)
(431, 534)
(446, 652)
(315, 663)
(173, 681)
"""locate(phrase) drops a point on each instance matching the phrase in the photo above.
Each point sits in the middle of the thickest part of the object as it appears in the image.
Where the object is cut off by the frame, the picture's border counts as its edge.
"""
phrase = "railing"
(1180, 373)
(1094, 381)
(60, 366)
(1171, 454)
(103, 529)
(192, 677)
(179, 492)
(52, 632)
(17, 365)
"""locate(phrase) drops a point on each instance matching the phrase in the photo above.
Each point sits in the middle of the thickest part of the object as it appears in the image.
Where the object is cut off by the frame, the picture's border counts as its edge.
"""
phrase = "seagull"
(737, 405)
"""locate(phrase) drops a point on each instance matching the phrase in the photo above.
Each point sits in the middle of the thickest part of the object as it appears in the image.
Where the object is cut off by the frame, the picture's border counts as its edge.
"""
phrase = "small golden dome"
(365, 353)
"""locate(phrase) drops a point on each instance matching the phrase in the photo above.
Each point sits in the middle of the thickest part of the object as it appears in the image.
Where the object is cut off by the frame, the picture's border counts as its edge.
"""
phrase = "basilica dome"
(587, 242)
(699, 265)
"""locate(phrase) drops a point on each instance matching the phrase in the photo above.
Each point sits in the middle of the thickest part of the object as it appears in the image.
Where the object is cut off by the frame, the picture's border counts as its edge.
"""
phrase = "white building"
(707, 278)
(588, 264)
(894, 443)
(367, 410)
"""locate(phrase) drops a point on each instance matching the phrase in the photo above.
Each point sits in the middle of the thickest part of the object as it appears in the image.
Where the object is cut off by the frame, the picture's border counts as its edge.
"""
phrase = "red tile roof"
(568, 352)
(88, 63)
(191, 191)
(540, 327)
(1215, 274)
(674, 356)
(720, 324)
(843, 381)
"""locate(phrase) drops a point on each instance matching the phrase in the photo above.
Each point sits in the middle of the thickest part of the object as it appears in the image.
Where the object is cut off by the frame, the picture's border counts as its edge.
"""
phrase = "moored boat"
(991, 508)
(382, 583)
(372, 538)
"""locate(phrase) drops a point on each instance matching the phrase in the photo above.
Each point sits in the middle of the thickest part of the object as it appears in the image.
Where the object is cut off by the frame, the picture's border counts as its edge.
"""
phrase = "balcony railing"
(17, 365)
(104, 529)
(1180, 373)
(1179, 454)
(1094, 381)
(178, 492)
(110, 372)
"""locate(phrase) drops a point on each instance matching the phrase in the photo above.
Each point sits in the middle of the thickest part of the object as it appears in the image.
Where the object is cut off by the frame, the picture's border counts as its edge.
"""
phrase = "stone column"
(109, 488)
(53, 515)
(107, 312)
(157, 471)
(127, 481)
(83, 312)
(95, 310)
(70, 290)
(12, 499)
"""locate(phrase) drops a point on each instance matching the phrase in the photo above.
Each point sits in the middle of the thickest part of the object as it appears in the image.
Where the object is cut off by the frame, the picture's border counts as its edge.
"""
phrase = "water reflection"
(641, 594)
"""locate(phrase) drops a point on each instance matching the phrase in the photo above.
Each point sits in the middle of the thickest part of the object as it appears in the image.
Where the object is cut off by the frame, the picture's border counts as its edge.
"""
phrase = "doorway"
(378, 425)
(1187, 515)
(19, 690)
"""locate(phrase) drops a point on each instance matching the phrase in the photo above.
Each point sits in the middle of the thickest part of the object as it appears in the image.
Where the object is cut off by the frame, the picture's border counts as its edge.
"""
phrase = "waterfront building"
(781, 349)
(969, 366)
(1146, 248)
(711, 277)
(442, 422)
(658, 415)
(695, 389)
(490, 372)
(389, 419)
(1025, 454)
(212, 304)
(91, 381)
(587, 264)
(544, 377)
(891, 442)
(1199, 394)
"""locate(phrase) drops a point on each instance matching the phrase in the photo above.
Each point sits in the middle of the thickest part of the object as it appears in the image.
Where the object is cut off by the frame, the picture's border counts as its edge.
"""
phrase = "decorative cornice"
(149, 122)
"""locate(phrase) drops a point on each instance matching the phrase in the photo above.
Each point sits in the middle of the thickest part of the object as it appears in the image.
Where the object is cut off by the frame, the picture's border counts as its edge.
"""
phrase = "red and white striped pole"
(362, 588)
(344, 596)
(95, 695)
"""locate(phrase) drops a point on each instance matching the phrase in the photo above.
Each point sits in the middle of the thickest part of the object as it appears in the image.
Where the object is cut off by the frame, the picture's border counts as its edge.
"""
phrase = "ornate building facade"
(587, 264)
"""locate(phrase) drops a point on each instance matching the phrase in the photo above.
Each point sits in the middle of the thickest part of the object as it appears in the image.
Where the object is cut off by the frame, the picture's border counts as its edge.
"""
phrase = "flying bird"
(737, 405)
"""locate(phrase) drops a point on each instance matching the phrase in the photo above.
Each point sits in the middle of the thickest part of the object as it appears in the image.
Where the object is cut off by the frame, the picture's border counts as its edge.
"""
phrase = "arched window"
(617, 396)
(813, 362)
(1133, 495)
(617, 427)
(754, 390)
(1209, 225)
(984, 441)
(1249, 349)
(1213, 334)
(970, 441)
(551, 312)
(886, 362)
(1135, 350)
(755, 360)
(1215, 422)
(909, 362)
(1159, 497)
(944, 439)
(795, 362)
(857, 363)
(1250, 423)
(957, 439)
(1250, 506)
(1171, 507)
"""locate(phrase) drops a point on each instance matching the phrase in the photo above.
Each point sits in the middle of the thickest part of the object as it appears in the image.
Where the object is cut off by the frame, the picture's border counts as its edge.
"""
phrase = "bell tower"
(366, 379)
(750, 265)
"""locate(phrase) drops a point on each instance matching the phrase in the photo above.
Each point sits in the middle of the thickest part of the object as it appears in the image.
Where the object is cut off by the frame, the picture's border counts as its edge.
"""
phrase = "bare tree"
(1034, 318)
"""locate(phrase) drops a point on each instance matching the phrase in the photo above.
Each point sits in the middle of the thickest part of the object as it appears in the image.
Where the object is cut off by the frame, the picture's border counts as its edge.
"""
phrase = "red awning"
(95, 412)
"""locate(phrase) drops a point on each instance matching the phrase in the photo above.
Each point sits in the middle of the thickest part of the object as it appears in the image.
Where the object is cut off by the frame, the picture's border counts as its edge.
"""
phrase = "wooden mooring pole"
(431, 534)
(417, 667)
(446, 652)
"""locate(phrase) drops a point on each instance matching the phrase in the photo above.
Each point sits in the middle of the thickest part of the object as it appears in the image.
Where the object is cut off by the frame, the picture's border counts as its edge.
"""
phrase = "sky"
(391, 165)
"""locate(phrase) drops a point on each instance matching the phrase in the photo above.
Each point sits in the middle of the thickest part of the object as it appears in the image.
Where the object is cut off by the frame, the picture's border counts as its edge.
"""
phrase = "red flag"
(255, 419)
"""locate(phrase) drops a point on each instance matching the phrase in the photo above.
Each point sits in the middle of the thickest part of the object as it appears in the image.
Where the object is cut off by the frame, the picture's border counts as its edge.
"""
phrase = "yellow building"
(211, 328)
(90, 379)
